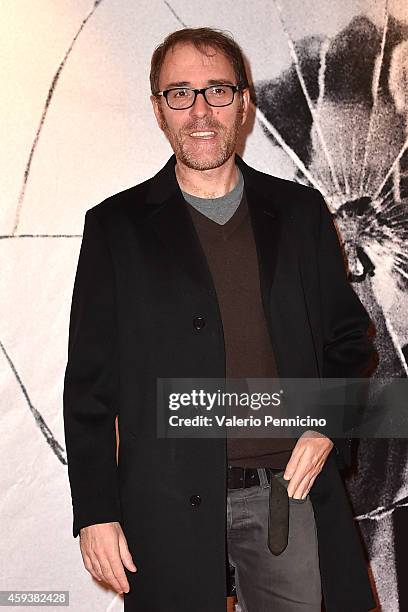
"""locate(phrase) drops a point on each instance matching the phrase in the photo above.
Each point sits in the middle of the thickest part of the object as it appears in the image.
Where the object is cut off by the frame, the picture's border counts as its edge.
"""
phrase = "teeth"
(202, 134)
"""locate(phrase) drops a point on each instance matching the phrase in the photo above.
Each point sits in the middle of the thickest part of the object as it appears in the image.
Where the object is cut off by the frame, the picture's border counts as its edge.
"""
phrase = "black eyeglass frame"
(235, 89)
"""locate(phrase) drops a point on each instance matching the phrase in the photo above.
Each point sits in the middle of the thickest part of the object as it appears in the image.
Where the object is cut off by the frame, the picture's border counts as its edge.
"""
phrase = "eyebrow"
(189, 84)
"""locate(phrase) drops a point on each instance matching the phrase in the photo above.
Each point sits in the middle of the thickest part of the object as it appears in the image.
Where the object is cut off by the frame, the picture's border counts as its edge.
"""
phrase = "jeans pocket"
(292, 500)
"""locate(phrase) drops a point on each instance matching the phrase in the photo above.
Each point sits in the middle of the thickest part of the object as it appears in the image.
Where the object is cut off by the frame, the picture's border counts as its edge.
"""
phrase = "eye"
(218, 90)
(181, 93)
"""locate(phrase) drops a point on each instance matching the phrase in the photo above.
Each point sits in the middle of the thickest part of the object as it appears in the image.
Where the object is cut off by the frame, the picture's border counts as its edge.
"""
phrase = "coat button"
(195, 500)
(198, 322)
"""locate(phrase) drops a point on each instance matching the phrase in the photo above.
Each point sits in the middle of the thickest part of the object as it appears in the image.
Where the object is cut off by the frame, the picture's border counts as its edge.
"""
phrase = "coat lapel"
(170, 220)
(275, 256)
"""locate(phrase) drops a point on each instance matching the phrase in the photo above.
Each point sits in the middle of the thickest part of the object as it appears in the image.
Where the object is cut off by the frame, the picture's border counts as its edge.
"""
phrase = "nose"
(200, 107)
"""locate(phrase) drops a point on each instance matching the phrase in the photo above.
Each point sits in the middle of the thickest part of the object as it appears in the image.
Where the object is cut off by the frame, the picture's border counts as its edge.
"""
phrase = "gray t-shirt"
(219, 209)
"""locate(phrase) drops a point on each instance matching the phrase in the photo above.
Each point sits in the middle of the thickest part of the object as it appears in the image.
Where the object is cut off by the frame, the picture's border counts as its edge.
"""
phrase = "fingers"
(97, 568)
(293, 463)
(306, 462)
(301, 490)
(298, 485)
(89, 567)
(312, 480)
(125, 554)
(113, 573)
(300, 482)
(102, 555)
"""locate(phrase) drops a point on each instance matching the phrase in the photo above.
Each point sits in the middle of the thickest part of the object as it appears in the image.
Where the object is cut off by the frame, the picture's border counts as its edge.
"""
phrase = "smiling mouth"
(207, 135)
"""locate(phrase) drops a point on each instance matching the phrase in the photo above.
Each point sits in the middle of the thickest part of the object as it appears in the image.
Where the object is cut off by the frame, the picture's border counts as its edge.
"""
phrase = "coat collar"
(164, 184)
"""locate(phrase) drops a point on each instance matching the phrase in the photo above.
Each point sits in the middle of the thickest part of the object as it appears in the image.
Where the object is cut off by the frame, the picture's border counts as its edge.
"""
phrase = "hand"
(104, 549)
(306, 462)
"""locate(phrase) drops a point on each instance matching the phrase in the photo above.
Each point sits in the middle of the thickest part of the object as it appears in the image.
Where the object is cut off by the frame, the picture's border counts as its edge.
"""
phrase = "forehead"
(186, 63)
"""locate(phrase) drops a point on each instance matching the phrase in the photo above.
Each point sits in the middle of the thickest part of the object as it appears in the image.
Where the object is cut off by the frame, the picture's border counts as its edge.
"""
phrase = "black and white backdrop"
(330, 85)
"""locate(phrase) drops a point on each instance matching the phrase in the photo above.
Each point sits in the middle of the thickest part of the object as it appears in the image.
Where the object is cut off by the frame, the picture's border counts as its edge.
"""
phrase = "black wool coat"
(141, 281)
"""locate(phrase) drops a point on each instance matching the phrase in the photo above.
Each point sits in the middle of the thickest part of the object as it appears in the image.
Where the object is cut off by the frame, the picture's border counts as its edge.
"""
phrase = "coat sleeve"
(91, 384)
(348, 348)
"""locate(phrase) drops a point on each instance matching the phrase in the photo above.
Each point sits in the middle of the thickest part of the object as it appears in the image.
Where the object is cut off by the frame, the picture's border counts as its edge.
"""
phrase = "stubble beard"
(192, 160)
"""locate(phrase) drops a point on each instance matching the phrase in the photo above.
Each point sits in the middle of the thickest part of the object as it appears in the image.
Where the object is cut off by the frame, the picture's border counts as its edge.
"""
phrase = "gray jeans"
(289, 582)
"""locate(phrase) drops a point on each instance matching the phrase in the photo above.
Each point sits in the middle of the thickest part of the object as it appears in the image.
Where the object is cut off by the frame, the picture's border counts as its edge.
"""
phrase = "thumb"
(125, 555)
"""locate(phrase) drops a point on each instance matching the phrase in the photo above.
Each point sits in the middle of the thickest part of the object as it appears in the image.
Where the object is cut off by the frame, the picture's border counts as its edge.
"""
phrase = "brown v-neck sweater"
(230, 250)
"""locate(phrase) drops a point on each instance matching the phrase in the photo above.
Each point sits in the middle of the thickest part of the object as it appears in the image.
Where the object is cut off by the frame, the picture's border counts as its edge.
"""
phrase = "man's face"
(185, 66)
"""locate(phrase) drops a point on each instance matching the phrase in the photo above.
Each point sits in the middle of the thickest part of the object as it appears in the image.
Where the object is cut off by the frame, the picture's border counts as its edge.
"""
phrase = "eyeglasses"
(180, 98)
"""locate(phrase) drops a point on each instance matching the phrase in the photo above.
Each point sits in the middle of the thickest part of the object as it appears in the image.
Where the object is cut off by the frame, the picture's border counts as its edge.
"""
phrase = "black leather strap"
(239, 477)
(278, 518)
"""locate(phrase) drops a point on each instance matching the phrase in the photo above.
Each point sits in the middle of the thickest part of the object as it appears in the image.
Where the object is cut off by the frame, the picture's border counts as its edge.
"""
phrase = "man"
(209, 269)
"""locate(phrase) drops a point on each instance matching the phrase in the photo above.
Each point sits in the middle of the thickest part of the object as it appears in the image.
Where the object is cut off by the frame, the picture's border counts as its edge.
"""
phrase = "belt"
(278, 519)
(242, 477)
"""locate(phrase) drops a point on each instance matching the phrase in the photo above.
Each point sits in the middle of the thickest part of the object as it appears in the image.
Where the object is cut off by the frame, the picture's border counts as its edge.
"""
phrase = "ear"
(155, 103)
(246, 97)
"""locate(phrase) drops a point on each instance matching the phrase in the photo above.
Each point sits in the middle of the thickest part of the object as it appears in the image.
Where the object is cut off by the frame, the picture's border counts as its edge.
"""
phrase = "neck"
(212, 183)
